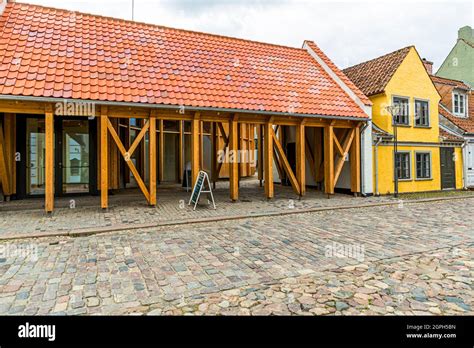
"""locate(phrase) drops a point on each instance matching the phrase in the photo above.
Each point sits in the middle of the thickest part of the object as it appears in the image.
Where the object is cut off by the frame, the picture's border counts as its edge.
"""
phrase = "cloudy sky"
(348, 31)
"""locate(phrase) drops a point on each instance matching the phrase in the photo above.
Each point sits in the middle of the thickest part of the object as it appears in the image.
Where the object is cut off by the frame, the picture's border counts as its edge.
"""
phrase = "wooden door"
(448, 173)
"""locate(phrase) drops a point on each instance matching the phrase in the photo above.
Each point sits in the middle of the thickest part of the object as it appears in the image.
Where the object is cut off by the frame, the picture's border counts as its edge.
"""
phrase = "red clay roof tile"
(465, 123)
(372, 76)
(68, 52)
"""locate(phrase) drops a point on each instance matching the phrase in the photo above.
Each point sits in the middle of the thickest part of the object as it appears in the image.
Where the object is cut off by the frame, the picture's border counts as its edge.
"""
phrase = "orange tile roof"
(56, 53)
(339, 73)
(449, 136)
(465, 123)
(372, 76)
(449, 82)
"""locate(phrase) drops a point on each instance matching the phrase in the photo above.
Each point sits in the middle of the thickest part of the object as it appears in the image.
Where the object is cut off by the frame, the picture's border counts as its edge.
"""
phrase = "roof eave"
(179, 107)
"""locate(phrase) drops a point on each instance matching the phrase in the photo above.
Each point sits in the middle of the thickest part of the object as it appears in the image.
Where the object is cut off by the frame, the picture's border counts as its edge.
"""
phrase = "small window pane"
(402, 165)
(421, 113)
(423, 165)
(456, 103)
(171, 126)
(403, 112)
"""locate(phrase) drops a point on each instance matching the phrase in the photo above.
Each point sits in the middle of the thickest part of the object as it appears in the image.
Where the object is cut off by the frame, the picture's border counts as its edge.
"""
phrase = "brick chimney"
(428, 66)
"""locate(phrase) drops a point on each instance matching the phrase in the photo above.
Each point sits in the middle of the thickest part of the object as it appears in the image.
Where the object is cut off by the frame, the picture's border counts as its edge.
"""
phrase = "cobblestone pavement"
(130, 207)
(410, 259)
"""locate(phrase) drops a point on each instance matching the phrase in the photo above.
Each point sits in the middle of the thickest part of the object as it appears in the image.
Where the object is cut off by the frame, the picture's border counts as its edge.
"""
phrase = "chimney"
(428, 66)
(466, 33)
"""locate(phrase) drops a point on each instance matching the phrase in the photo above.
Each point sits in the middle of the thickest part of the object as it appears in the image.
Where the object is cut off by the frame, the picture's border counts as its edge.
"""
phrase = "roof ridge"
(379, 57)
(159, 26)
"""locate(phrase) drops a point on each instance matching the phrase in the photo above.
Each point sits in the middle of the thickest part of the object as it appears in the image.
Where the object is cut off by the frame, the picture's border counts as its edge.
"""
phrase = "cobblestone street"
(129, 208)
(402, 259)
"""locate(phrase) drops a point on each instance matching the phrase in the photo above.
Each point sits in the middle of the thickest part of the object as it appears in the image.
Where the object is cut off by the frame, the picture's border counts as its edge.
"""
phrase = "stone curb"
(90, 231)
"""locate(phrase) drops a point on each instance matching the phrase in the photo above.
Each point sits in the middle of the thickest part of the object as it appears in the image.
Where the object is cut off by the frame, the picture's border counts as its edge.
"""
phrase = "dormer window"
(459, 104)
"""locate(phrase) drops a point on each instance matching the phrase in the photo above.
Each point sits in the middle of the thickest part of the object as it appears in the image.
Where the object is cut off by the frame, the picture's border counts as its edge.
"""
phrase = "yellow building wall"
(386, 169)
(459, 168)
(410, 80)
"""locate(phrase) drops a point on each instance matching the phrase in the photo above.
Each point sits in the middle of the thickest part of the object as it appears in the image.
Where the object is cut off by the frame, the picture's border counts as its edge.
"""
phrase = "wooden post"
(318, 155)
(201, 144)
(9, 127)
(4, 172)
(104, 199)
(152, 158)
(161, 159)
(239, 147)
(260, 153)
(300, 157)
(181, 149)
(268, 159)
(329, 159)
(215, 145)
(49, 159)
(233, 159)
(354, 158)
(195, 163)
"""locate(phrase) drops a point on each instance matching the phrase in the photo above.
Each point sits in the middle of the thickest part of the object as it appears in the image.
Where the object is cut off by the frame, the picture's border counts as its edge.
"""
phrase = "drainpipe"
(362, 161)
(464, 165)
(379, 140)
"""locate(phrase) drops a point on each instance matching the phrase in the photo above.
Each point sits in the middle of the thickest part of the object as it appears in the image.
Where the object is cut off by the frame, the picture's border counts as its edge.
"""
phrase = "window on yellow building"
(423, 165)
(404, 110)
(402, 165)
(422, 113)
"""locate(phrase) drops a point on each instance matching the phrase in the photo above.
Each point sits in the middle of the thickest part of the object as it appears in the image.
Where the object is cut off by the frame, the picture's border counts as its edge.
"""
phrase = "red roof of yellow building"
(57, 53)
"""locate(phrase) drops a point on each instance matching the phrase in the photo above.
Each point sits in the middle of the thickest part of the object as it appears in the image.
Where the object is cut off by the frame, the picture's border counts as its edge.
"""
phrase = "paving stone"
(280, 266)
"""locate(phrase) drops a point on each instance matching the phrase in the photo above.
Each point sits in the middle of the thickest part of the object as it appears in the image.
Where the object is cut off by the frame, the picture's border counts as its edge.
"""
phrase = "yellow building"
(400, 79)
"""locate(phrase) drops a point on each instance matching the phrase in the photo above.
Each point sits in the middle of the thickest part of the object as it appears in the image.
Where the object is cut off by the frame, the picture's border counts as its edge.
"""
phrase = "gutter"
(178, 107)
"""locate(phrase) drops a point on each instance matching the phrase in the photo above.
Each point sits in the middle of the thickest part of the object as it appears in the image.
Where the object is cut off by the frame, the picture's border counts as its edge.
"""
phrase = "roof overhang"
(177, 107)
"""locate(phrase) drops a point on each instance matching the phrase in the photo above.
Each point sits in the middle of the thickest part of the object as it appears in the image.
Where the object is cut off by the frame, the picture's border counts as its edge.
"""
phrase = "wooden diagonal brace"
(345, 147)
(309, 154)
(126, 155)
(286, 164)
(338, 147)
(226, 145)
(139, 137)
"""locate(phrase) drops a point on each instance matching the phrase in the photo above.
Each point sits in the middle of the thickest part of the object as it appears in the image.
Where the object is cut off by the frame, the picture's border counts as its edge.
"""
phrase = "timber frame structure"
(148, 86)
(339, 139)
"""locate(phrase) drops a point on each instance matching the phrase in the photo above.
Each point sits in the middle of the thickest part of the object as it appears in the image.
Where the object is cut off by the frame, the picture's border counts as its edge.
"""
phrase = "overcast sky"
(348, 31)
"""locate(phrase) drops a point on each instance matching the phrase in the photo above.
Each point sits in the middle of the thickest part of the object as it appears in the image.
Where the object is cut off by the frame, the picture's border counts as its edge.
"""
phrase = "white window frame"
(464, 97)
(427, 101)
(430, 155)
(408, 110)
(410, 163)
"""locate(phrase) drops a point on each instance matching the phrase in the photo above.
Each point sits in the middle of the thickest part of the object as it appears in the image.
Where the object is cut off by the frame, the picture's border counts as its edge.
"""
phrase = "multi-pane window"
(422, 113)
(459, 103)
(402, 165)
(402, 116)
(423, 165)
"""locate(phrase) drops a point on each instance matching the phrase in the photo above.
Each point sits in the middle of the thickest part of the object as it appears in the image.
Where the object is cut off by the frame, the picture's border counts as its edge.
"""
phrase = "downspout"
(362, 160)
(464, 165)
(376, 154)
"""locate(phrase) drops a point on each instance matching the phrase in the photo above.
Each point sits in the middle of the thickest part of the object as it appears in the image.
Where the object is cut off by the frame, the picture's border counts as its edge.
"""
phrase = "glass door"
(75, 157)
(36, 151)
